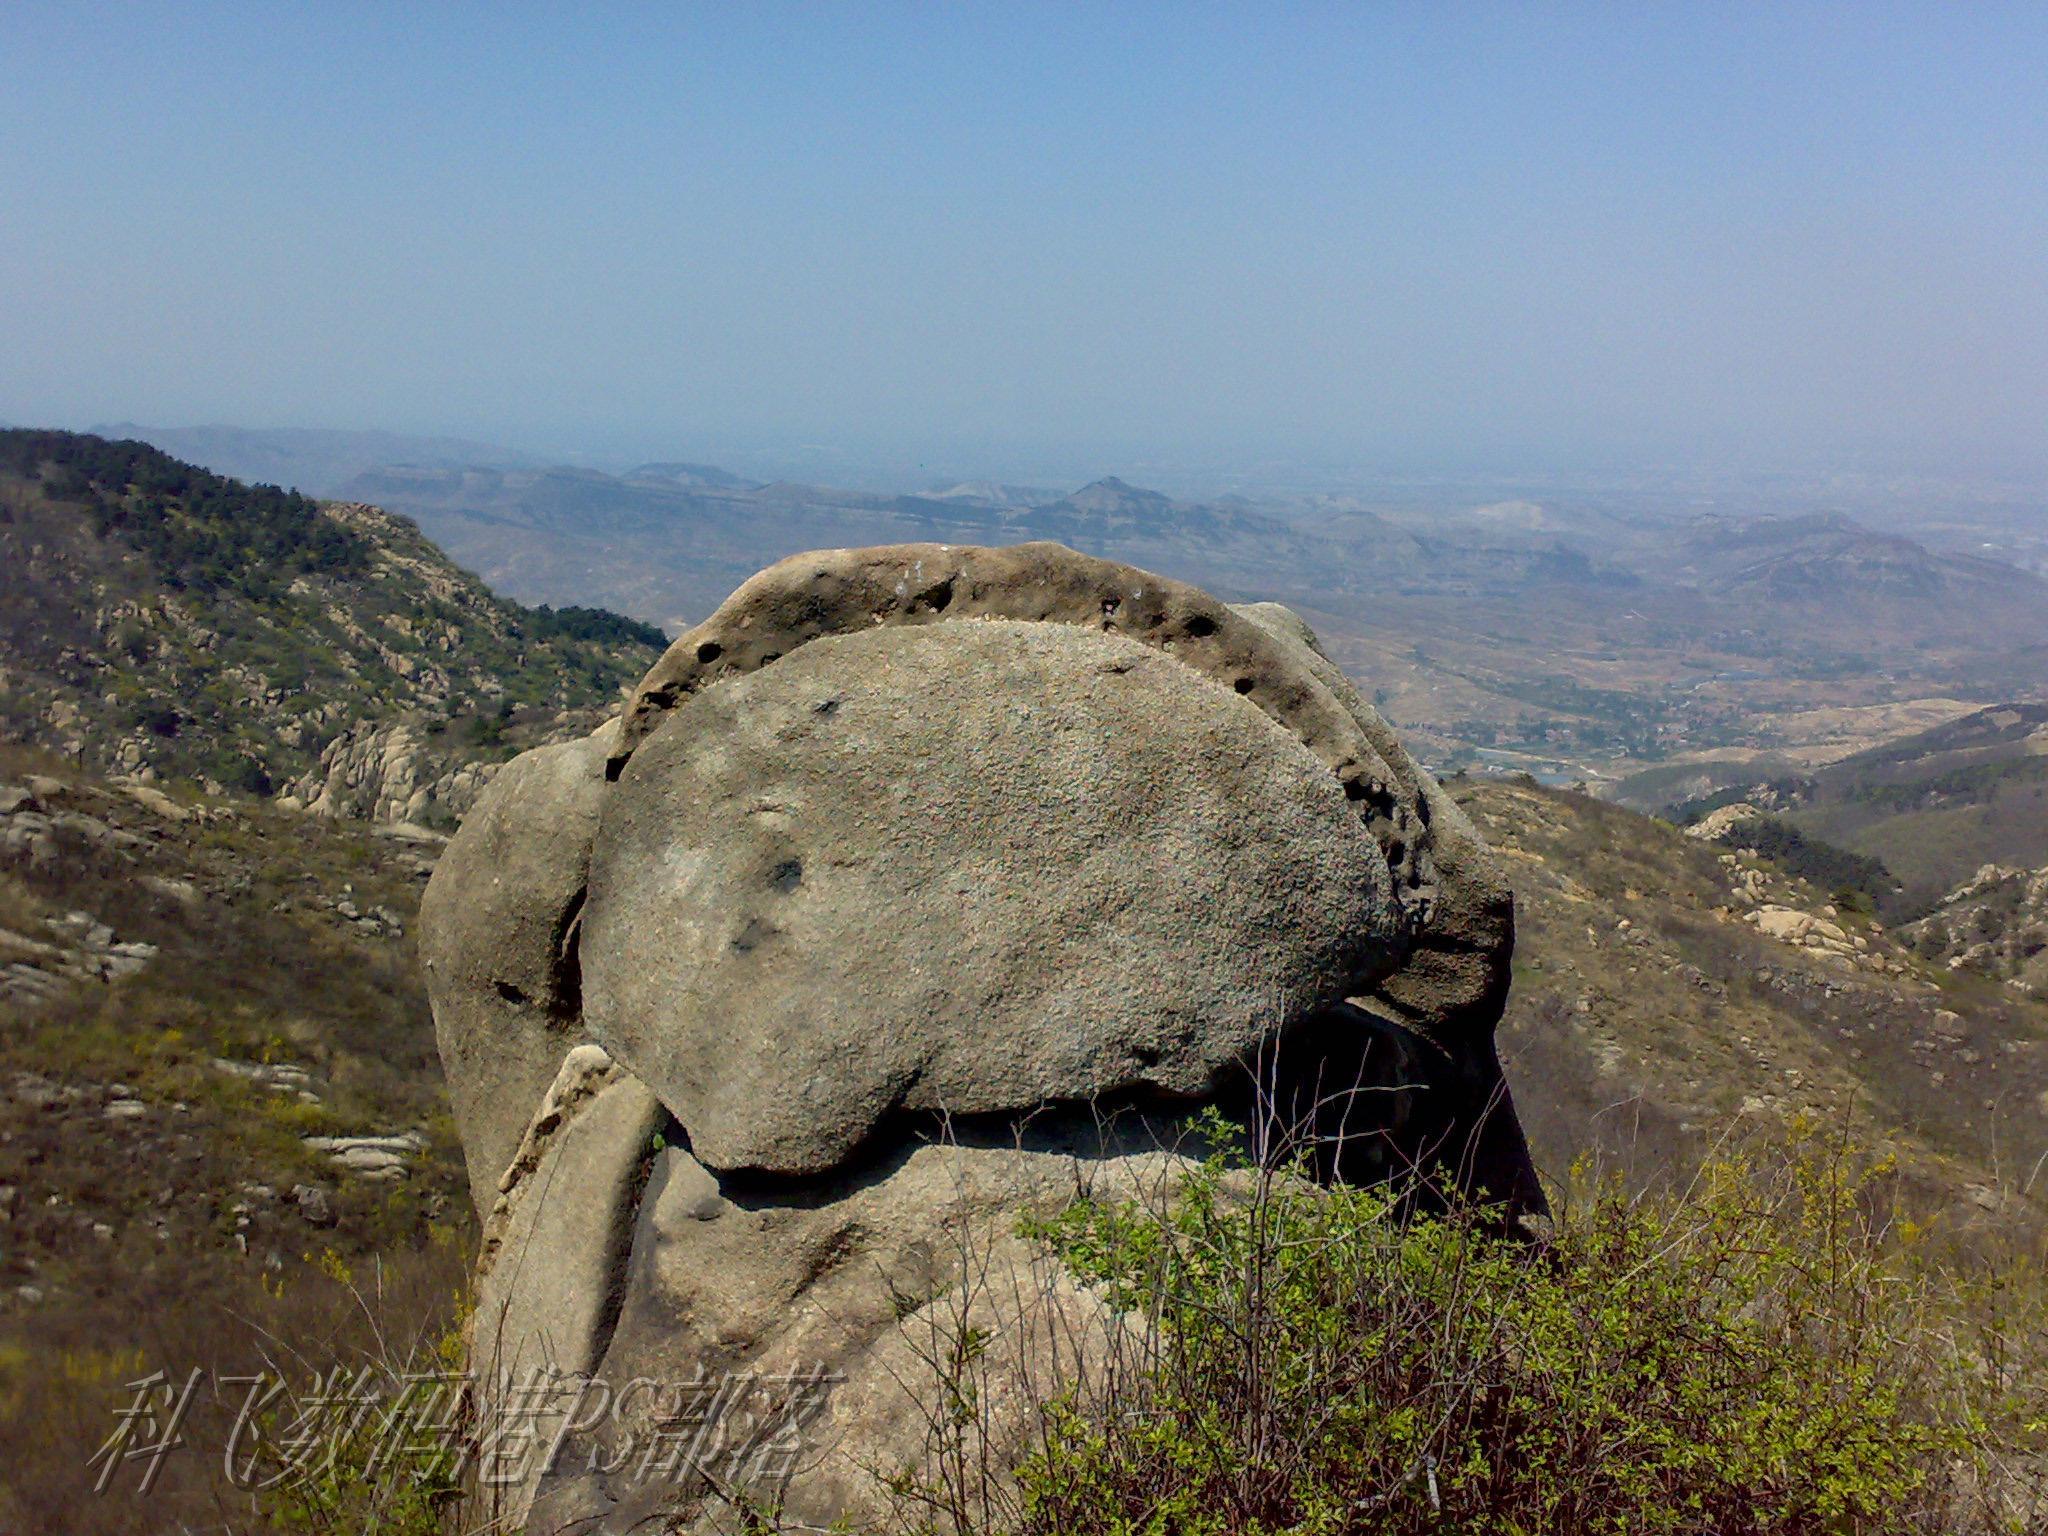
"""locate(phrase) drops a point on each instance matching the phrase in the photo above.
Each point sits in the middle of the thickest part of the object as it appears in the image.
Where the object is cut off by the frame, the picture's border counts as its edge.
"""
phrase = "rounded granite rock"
(497, 941)
(969, 867)
(822, 593)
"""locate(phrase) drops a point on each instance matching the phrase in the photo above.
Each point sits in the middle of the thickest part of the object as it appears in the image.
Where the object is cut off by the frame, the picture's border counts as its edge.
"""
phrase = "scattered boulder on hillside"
(918, 889)
(1725, 825)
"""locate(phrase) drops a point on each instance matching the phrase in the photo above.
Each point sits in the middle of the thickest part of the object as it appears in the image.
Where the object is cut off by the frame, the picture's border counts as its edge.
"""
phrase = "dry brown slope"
(161, 1210)
(1651, 1016)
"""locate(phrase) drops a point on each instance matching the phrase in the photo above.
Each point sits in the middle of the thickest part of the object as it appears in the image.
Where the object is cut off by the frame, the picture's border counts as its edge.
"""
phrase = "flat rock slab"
(969, 867)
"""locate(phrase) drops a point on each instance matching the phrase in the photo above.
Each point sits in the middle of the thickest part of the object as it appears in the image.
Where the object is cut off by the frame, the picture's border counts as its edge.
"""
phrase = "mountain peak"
(1110, 494)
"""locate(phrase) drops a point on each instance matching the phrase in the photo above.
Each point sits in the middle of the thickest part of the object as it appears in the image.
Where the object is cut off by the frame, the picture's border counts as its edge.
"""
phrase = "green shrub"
(1764, 1354)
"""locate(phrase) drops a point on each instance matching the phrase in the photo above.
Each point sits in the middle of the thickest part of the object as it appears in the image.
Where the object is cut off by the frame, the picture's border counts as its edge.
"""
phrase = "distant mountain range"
(670, 541)
(692, 477)
(1828, 560)
(1571, 635)
(313, 460)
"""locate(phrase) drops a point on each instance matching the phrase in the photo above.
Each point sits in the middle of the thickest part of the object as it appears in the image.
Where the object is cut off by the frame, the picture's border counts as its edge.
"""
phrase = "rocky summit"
(917, 888)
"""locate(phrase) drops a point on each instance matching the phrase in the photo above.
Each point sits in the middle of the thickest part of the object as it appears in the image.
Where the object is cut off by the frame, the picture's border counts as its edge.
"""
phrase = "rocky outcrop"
(43, 953)
(388, 773)
(919, 888)
(1725, 824)
(378, 1159)
(1829, 935)
(72, 946)
(1994, 924)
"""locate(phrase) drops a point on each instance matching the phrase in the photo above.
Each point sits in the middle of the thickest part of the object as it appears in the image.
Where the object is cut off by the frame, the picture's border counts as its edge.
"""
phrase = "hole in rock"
(754, 934)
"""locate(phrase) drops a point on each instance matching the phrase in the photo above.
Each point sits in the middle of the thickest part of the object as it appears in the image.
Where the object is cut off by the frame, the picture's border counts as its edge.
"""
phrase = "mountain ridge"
(316, 460)
(1586, 638)
(164, 621)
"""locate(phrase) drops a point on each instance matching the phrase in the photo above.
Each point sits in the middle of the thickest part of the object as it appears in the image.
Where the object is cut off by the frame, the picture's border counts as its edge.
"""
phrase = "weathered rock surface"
(1454, 983)
(388, 773)
(825, 1309)
(972, 869)
(497, 937)
(841, 591)
(550, 1269)
(557, 1234)
(766, 1015)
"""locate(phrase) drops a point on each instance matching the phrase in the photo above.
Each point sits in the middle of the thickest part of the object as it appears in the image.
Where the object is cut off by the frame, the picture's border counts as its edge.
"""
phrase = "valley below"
(1581, 632)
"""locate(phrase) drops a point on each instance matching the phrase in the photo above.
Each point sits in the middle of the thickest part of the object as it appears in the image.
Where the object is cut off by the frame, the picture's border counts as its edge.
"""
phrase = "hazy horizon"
(1035, 244)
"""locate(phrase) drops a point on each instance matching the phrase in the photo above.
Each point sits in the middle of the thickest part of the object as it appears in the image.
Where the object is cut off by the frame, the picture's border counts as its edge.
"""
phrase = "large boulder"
(918, 888)
(972, 869)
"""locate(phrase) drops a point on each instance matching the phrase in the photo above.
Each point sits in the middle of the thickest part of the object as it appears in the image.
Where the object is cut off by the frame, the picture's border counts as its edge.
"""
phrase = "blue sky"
(1054, 237)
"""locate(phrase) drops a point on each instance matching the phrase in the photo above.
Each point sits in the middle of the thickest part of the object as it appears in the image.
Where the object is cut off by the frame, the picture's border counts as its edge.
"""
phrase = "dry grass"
(60, 1392)
(172, 1239)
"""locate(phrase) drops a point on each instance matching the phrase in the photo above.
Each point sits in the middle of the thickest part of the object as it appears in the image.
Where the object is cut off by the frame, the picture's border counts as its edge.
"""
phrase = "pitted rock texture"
(1454, 983)
(843, 591)
(968, 869)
